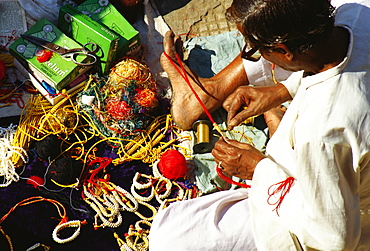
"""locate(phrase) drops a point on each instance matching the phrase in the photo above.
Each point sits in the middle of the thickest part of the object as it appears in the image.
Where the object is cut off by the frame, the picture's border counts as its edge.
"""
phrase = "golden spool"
(202, 142)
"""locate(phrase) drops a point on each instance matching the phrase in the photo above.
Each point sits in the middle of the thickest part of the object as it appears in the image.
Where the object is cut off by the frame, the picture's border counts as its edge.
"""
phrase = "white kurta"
(323, 142)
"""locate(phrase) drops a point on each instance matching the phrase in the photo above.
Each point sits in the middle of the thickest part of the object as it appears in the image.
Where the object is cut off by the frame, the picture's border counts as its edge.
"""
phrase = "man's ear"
(284, 50)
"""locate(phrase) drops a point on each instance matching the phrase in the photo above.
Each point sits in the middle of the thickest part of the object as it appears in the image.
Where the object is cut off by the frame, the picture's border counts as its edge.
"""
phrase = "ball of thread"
(65, 171)
(48, 147)
(172, 165)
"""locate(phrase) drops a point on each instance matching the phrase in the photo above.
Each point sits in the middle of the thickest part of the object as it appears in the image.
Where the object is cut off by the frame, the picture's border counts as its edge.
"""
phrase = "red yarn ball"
(173, 165)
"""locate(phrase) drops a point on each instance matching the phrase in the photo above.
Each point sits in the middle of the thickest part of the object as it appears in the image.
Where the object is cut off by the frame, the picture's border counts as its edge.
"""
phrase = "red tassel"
(283, 188)
(35, 181)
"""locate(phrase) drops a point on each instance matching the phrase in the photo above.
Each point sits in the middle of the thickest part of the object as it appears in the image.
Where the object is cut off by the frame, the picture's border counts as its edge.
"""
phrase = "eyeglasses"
(252, 54)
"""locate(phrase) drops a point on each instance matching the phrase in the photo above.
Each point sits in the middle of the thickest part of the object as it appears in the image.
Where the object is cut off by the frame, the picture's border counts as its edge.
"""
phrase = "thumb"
(240, 117)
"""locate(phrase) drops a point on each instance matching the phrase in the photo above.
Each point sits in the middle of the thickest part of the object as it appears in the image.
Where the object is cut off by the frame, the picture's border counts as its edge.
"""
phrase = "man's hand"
(256, 101)
(273, 118)
(238, 159)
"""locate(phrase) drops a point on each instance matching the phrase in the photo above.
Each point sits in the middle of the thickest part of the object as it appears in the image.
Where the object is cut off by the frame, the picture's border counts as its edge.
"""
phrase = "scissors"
(68, 53)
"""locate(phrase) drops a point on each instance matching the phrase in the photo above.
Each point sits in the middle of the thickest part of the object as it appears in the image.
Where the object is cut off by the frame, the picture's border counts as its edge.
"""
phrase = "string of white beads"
(73, 223)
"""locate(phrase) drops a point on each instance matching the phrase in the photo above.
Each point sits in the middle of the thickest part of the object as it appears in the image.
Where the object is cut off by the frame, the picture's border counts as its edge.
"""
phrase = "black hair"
(299, 24)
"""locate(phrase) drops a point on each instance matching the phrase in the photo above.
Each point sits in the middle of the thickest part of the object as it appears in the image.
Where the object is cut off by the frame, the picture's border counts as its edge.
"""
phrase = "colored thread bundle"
(40, 119)
(121, 105)
(148, 147)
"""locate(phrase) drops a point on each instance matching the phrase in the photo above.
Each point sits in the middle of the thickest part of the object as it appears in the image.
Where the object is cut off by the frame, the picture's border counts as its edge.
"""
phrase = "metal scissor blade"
(46, 44)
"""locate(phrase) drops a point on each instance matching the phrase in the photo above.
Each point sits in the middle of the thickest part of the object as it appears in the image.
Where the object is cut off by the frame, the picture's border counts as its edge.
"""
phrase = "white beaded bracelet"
(73, 223)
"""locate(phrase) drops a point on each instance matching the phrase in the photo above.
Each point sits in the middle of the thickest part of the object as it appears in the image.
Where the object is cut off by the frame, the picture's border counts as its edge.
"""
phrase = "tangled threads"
(127, 70)
(62, 118)
(122, 104)
(146, 98)
(119, 109)
(7, 150)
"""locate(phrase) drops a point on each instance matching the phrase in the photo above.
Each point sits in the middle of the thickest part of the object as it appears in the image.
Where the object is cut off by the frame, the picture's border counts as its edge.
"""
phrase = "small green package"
(57, 71)
(105, 13)
(83, 29)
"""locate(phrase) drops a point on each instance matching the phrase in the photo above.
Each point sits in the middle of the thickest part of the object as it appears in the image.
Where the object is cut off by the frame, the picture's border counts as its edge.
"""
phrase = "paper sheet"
(12, 21)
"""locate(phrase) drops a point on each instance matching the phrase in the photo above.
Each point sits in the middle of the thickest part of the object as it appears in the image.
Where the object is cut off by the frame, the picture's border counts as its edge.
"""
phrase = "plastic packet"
(48, 9)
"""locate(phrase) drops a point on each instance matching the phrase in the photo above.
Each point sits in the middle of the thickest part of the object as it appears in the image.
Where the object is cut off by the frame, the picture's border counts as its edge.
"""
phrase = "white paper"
(12, 22)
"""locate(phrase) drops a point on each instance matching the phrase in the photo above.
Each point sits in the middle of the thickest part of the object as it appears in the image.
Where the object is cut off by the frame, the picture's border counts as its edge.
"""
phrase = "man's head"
(298, 24)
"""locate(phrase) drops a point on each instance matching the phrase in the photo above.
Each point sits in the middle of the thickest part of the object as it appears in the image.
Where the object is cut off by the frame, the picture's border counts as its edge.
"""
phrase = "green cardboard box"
(83, 29)
(71, 88)
(105, 13)
(57, 71)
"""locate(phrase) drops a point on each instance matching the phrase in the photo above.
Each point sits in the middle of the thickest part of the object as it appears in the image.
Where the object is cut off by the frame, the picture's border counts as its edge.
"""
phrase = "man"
(311, 189)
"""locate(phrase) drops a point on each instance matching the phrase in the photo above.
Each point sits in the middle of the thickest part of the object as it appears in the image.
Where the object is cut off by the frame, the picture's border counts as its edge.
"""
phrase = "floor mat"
(198, 17)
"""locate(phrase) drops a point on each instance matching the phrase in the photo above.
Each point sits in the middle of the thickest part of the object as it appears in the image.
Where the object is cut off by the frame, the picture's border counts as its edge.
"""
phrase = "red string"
(283, 188)
(185, 77)
(93, 180)
(229, 180)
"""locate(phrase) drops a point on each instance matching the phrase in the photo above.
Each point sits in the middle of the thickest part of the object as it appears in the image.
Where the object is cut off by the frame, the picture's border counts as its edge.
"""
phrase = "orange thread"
(30, 200)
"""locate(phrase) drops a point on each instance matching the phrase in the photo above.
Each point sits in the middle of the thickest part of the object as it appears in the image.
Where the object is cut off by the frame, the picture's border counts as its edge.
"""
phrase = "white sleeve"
(322, 205)
(293, 82)
(260, 73)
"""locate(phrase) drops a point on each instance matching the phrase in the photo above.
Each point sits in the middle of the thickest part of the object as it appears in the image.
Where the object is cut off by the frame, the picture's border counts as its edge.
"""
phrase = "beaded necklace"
(64, 223)
(108, 199)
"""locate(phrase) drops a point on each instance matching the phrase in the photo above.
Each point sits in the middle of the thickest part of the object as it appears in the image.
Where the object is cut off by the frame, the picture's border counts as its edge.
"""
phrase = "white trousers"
(218, 221)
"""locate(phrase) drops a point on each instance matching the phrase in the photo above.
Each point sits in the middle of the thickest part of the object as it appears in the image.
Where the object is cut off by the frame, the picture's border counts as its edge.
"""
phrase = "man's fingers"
(237, 119)
(233, 106)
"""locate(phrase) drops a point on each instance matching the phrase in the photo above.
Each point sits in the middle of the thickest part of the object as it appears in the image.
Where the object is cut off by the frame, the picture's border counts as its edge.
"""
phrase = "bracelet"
(37, 245)
(142, 198)
(158, 188)
(73, 223)
(140, 185)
